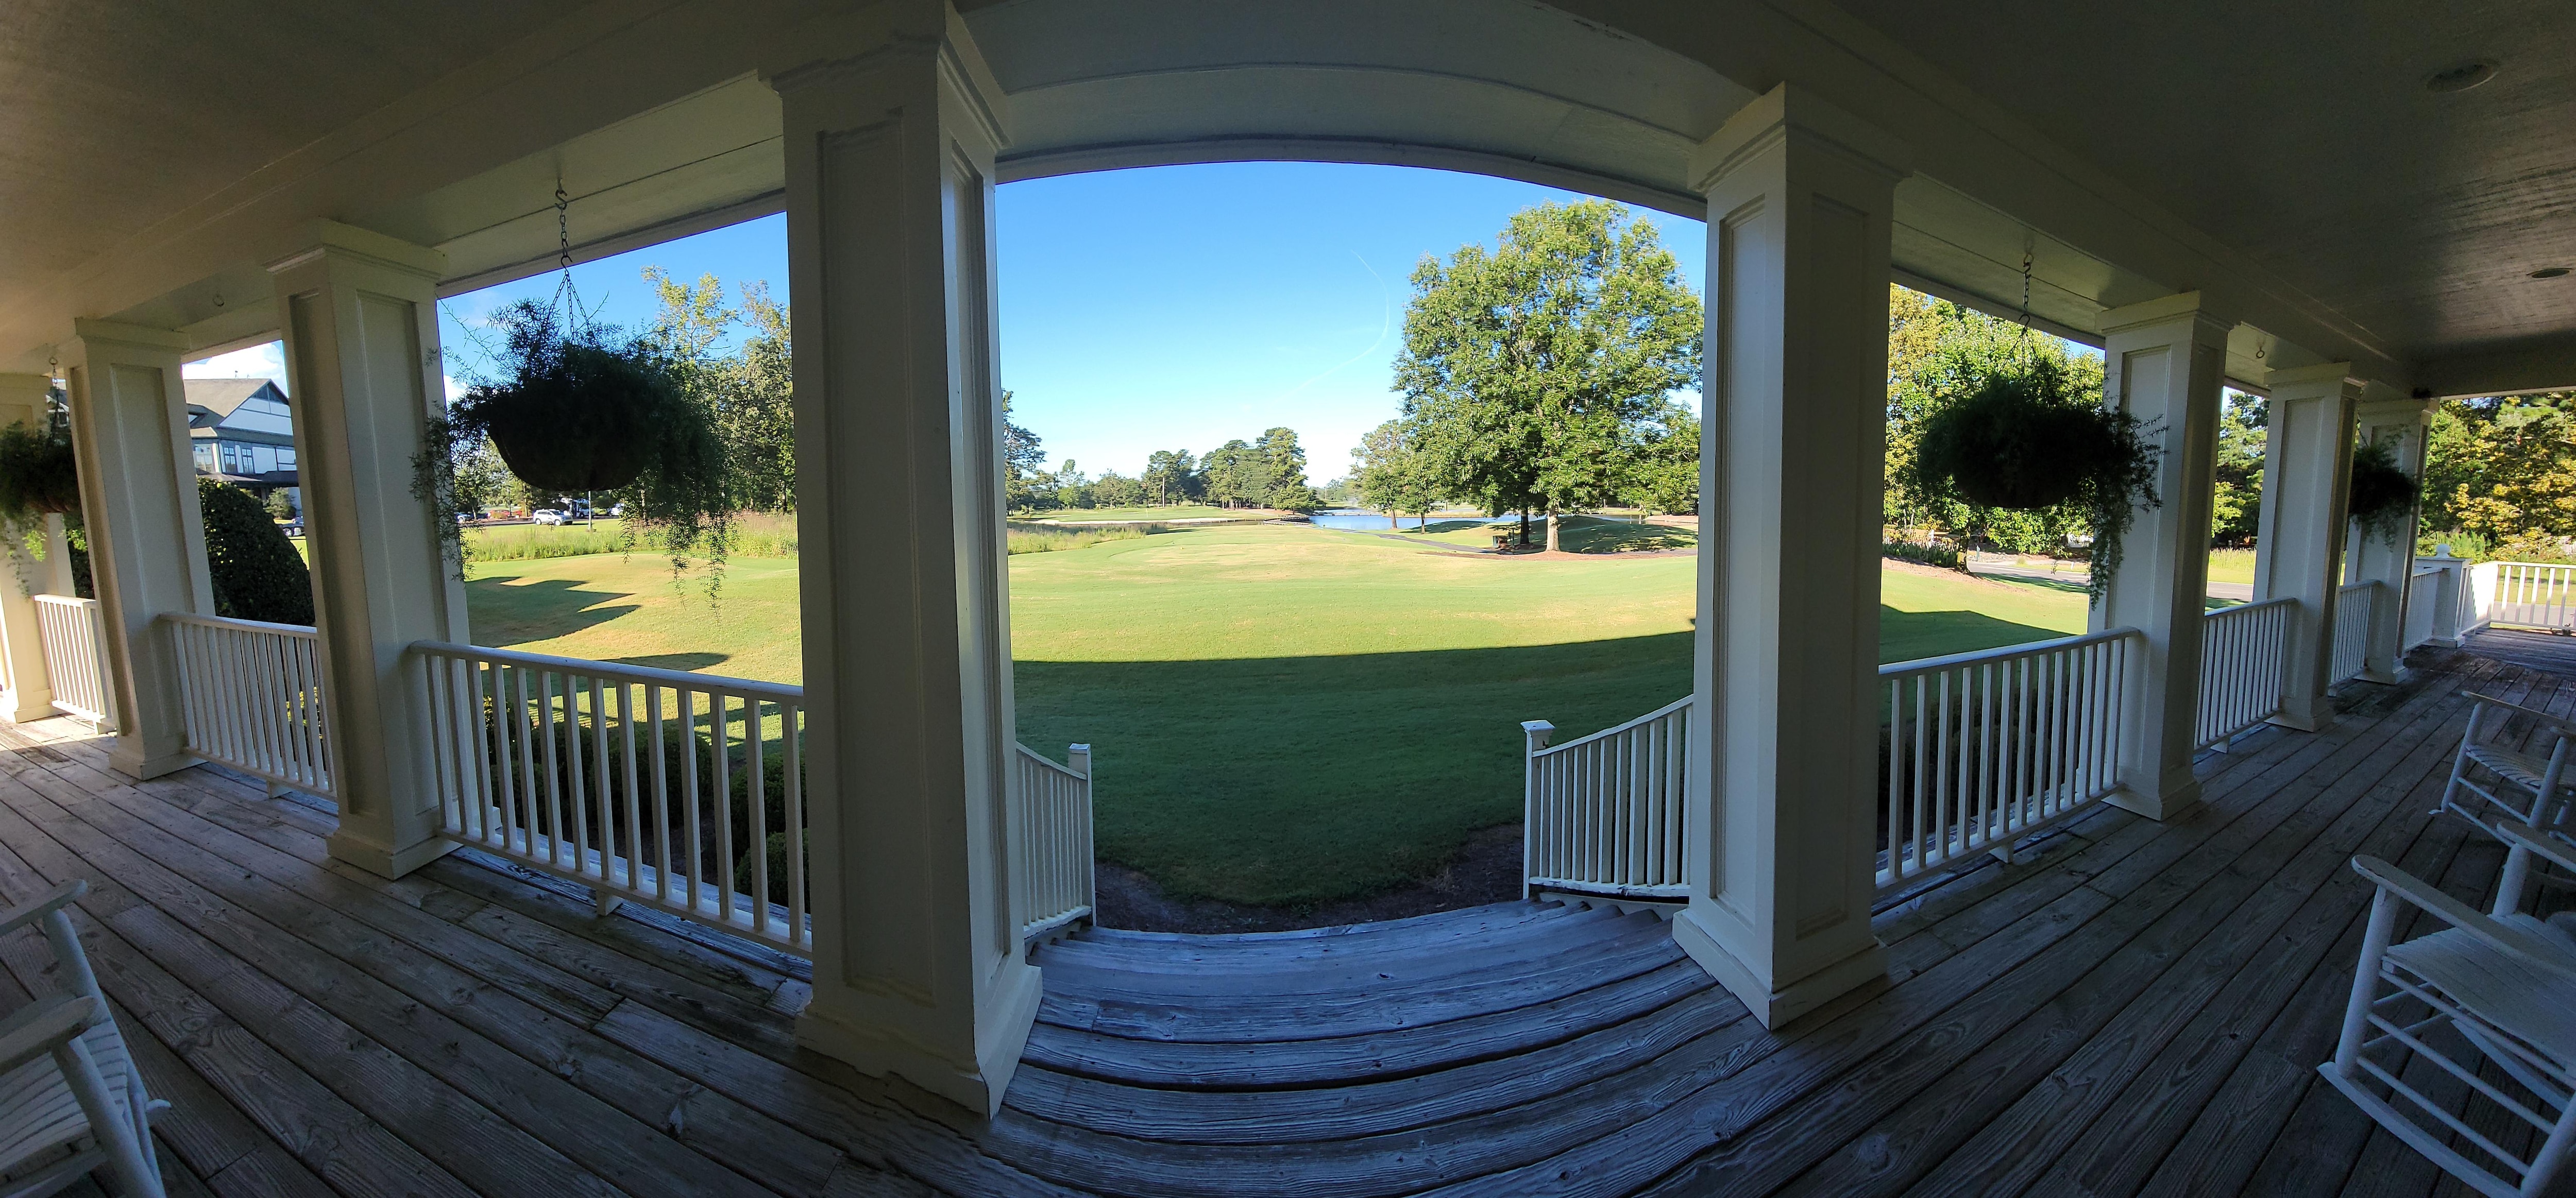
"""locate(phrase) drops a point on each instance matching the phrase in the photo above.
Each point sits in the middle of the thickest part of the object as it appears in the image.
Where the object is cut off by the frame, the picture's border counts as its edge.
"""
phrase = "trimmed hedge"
(256, 572)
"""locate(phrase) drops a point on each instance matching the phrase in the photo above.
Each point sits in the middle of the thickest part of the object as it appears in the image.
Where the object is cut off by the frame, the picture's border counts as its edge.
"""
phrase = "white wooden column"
(2385, 415)
(30, 694)
(1784, 749)
(2162, 363)
(147, 546)
(2307, 468)
(362, 361)
(890, 141)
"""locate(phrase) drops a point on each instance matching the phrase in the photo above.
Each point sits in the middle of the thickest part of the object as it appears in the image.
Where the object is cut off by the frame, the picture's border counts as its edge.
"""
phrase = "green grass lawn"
(1277, 714)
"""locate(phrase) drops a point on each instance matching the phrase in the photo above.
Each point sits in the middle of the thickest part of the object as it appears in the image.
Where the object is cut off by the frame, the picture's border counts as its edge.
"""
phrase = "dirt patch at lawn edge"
(1487, 870)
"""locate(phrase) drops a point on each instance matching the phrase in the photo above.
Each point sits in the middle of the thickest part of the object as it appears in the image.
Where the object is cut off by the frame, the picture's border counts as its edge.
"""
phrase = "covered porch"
(2134, 1007)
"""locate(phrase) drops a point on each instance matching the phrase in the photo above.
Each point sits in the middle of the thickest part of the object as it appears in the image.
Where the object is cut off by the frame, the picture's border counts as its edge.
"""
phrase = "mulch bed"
(1487, 870)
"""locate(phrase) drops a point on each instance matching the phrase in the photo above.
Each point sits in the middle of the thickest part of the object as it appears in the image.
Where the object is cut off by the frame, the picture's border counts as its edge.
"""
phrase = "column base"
(130, 757)
(2381, 677)
(30, 706)
(1001, 1035)
(2315, 716)
(1776, 1007)
(382, 861)
(2173, 804)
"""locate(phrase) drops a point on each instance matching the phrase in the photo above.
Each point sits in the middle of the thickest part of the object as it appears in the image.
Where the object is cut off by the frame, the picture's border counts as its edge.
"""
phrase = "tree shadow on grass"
(505, 611)
(1302, 780)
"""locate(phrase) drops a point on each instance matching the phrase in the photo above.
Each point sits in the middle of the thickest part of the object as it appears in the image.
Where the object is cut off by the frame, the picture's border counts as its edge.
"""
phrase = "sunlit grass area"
(1279, 714)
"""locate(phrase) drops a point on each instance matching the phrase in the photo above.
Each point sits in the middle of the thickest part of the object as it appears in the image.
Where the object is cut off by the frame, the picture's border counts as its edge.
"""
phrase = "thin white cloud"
(258, 362)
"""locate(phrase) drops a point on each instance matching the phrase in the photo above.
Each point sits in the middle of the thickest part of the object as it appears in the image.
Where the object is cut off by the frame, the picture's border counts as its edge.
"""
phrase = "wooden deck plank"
(332, 1136)
(515, 1001)
(2052, 1104)
(262, 967)
(1756, 1148)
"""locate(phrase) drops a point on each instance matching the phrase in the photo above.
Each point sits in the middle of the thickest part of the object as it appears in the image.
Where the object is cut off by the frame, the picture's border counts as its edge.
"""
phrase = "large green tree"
(1526, 367)
(2503, 470)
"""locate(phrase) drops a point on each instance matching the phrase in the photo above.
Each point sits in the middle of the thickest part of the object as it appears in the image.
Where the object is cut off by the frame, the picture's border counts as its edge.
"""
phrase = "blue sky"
(1166, 308)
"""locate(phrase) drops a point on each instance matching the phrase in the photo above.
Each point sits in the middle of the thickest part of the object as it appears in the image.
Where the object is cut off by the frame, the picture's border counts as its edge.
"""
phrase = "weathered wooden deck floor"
(2137, 1010)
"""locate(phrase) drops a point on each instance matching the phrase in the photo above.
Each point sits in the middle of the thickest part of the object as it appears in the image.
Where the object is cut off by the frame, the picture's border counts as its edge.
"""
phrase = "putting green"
(1278, 714)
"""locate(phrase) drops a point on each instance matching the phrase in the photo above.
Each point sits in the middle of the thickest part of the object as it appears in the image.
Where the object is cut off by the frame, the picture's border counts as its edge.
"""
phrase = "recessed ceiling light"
(2462, 77)
(2550, 272)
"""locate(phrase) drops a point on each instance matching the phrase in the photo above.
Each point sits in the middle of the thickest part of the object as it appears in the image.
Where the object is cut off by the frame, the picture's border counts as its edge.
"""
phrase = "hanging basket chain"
(566, 297)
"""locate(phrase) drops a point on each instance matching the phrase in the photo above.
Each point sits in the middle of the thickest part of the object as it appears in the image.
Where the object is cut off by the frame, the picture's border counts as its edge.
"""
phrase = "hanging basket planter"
(2018, 438)
(583, 411)
(578, 417)
(2382, 496)
(38, 476)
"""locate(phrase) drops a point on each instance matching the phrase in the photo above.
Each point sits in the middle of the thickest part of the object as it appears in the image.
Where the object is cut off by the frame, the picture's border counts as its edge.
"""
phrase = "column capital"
(2382, 404)
(327, 239)
(1775, 115)
(142, 336)
(845, 48)
(2208, 328)
(2315, 382)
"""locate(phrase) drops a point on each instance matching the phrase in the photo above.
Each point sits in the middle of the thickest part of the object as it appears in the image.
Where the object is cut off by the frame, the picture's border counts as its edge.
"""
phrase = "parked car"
(547, 515)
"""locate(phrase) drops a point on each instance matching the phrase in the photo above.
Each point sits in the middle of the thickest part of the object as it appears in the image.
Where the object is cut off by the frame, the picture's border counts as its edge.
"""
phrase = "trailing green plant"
(2382, 497)
(2017, 436)
(580, 408)
(257, 574)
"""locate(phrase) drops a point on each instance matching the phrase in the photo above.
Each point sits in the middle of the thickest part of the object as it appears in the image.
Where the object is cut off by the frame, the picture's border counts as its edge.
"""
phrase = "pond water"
(1353, 518)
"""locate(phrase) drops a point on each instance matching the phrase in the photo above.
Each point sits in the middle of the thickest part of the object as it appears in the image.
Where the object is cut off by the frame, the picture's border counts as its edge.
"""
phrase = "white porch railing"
(2530, 594)
(2241, 654)
(1603, 814)
(1986, 748)
(2423, 606)
(1051, 813)
(74, 632)
(252, 697)
(648, 785)
(2354, 605)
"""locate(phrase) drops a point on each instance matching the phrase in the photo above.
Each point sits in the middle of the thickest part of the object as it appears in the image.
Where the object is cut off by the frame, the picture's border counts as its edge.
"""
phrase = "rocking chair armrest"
(2392, 880)
(2560, 724)
(20, 916)
(43, 1027)
(2540, 844)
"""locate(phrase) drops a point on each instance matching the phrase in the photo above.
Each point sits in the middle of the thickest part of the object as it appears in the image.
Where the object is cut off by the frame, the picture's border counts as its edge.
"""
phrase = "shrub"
(256, 572)
(1027, 538)
(1928, 555)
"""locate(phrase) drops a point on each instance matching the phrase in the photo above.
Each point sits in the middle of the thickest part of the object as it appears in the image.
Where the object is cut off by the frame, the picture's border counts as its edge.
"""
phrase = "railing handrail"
(301, 631)
(2356, 586)
(1900, 669)
(682, 679)
(65, 600)
(1657, 714)
(2240, 608)
(1051, 763)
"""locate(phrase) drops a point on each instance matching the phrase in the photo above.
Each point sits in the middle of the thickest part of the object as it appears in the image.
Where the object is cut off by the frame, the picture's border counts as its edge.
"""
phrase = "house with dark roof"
(242, 431)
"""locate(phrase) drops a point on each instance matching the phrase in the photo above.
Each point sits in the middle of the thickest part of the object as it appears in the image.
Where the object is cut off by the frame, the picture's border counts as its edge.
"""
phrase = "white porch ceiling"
(2291, 167)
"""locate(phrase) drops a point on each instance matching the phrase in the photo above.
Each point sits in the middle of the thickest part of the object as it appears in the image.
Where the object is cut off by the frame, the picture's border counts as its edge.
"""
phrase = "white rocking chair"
(2518, 788)
(2503, 986)
(71, 1100)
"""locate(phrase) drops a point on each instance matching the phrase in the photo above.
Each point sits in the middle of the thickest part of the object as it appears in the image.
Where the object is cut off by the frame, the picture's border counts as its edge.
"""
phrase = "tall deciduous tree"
(1526, 367)
(2504, 470)
(1172, 476)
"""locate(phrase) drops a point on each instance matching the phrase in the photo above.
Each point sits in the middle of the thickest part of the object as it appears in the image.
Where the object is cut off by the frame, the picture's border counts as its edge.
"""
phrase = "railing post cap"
(1537, 726)
(1085, 750)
